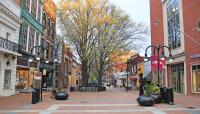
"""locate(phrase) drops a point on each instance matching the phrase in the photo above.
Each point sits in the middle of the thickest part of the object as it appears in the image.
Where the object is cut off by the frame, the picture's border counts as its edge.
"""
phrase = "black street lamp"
(160, 57)
(127, 70)
(42, 59)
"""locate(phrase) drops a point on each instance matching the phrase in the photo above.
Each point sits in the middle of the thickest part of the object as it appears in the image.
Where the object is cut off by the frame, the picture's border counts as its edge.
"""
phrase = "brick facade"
(188, 53)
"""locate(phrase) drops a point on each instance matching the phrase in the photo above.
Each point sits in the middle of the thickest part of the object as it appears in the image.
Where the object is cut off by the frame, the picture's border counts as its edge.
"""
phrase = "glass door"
(178, 77)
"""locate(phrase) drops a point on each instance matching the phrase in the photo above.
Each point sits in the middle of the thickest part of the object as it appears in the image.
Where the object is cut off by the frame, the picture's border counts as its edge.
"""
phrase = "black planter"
(61, 96)
(145, 101)
(156, 98)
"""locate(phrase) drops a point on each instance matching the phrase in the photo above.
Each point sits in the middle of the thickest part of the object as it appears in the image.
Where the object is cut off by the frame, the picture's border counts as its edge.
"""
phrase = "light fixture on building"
(46, 61)
(30, 59)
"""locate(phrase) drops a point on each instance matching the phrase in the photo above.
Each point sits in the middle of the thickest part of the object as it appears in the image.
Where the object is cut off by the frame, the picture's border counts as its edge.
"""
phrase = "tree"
(116, 33)
(79, 18)
(97, 29)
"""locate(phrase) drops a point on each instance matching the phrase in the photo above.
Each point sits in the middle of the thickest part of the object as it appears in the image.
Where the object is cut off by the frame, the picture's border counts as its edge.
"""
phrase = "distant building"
(118, 67)
(176, 23)
(9, 34)
(48, 39)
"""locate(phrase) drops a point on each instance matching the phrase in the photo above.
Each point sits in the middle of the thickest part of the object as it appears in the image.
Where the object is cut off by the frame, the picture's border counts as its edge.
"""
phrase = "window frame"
(173, 24)
(9, 80)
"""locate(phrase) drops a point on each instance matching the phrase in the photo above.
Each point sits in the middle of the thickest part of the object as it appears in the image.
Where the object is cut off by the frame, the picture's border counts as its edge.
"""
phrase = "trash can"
(71, 89)
(35, 95)
(167, 95)
(163, 94)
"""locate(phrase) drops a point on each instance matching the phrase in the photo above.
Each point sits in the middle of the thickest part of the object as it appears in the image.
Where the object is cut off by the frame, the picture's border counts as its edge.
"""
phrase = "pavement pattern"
(112, 101)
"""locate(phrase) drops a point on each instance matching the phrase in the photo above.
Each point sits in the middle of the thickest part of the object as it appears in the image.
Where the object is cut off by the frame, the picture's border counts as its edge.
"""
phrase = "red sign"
(162, 63)
(154, 63)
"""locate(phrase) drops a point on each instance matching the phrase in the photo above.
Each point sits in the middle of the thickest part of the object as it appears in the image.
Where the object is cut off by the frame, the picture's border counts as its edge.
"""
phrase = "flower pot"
(145, 101)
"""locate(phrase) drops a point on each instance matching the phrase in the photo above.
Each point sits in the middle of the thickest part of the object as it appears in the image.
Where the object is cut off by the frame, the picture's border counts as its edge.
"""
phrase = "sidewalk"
(23, 100)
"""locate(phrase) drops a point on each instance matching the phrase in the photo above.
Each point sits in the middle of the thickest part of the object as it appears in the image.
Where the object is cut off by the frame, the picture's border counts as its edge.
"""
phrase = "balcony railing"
(9, 45)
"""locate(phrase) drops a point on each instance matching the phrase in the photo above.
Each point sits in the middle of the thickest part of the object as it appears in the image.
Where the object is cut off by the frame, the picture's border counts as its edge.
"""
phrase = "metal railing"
(9, 45)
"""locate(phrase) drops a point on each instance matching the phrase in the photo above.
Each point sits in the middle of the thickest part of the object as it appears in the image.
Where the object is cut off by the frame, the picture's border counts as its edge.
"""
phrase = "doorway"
(177, 80)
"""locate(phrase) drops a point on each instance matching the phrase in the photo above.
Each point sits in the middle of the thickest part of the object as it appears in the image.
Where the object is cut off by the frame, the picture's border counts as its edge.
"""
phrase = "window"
(39, 11)
(27, 4)
(44, 20)
(198, 26)
(49, 27)
(47, 50)
(33, 7)
(177, 77)
(196, 78)
(7, 35)
(24, 34)
(7, 79)
(173, 24)
(31, 39)
(52, 30)
(37, 50)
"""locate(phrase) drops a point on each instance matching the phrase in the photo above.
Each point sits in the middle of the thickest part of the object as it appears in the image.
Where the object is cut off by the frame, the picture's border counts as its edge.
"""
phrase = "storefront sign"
(28, 17)
(196, 56)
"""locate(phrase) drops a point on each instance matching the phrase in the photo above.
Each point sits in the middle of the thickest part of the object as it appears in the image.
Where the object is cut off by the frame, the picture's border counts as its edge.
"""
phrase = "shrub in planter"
(153, 91)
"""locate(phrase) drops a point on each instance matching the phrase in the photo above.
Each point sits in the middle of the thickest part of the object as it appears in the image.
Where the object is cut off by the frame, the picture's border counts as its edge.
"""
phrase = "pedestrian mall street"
(111, 101)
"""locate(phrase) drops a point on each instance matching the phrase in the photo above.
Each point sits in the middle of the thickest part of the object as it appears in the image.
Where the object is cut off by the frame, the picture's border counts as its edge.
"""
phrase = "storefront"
(196, 78)
(176, 76)
(25, 74)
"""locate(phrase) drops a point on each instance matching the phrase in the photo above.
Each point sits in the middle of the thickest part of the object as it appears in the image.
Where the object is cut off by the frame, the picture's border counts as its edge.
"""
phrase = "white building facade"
(9, 34)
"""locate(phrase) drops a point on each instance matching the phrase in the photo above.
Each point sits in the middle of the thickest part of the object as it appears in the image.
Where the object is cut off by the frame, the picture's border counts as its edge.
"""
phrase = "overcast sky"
(138, 10)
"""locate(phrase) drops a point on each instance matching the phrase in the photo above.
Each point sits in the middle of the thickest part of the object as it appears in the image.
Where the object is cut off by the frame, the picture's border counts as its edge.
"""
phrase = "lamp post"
(159, 57)
(42, 59)
(127, 70)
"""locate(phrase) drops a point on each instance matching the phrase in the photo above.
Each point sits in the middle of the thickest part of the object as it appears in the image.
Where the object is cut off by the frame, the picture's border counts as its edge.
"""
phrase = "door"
(178, 77)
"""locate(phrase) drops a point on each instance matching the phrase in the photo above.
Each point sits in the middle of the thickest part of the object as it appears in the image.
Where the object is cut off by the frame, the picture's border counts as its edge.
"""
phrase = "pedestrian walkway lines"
(57, 108)
(154, 110)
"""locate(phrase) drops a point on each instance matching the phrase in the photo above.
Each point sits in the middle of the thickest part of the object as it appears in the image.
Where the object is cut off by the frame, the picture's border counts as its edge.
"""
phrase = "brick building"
(176, 23)
(48, 39)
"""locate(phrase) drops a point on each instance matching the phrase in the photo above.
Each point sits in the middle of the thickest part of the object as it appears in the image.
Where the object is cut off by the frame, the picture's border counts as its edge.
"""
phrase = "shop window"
(177, 77)
(7, 79)
(196, 78)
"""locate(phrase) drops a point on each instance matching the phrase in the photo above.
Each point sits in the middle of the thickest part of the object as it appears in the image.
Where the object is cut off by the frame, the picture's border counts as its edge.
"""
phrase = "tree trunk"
(100, 73)
(85, 74)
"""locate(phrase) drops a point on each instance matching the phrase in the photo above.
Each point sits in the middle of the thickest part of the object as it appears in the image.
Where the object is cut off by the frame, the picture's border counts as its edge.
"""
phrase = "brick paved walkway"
(112, 101)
